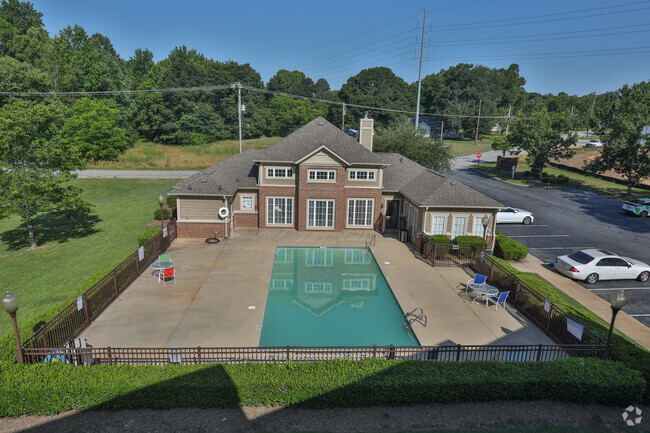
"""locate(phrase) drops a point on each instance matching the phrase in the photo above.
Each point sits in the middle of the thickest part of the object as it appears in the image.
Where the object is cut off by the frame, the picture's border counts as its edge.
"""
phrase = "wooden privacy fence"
(206, 355)
(532, 304)
(78, 315)
(446, 254)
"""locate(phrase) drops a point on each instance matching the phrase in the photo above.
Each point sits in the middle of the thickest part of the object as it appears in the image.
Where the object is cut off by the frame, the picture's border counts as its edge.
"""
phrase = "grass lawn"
(467, 146)
(69, 256)
(152, 156)
(594, 184)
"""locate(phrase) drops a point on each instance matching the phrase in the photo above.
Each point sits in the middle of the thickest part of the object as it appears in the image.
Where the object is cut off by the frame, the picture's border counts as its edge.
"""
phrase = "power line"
(554, 55)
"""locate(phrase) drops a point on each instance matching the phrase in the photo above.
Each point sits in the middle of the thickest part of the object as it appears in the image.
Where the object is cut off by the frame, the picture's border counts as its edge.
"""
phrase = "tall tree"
(37, 165)
(544, 136)
(92, 130)
(322, 89)
(401, 138)
(21, 15)
(628, 152)
(288, 114)
(292, 82)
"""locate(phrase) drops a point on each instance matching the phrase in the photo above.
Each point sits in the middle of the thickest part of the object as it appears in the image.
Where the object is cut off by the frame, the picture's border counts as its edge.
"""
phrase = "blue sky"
(561, 46)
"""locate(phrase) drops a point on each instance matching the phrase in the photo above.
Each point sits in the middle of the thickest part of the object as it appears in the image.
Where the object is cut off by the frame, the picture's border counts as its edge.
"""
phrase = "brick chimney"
(366, 128)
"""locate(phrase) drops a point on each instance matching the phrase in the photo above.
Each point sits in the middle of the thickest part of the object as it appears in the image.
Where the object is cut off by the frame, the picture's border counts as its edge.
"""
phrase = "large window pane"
(360, 212)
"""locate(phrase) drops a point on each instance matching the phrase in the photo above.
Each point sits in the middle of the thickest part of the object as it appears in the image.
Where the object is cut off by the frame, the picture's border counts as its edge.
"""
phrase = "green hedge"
(441, 240)
(470, 240)
(624, 349)
(165, 214)
(509, 249)
(144, 237)
(55, 387)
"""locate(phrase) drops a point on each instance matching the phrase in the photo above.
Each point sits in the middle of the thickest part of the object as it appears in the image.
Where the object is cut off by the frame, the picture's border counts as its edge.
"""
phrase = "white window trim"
(444, 224)
(241, 203)
(293, 173)
(328, 180)
(293, 208)
(373, 172)
(453, 221)
(474, 226)
(372, 213)
(333, 214)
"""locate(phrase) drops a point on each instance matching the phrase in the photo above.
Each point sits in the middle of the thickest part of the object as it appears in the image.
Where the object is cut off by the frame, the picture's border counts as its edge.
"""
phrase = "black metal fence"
(234, 355)
(449, 255)
(78, 315)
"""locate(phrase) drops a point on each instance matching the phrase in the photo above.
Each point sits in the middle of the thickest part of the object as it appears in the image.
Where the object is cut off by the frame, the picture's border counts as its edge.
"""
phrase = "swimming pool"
(331, 297)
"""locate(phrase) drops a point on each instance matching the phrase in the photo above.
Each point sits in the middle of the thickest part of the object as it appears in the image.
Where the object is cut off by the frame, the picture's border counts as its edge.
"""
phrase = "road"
(568, 219)
(135, 174)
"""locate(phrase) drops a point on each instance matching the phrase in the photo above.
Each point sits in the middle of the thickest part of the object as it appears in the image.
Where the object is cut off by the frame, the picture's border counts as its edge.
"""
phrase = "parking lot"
(569, 219)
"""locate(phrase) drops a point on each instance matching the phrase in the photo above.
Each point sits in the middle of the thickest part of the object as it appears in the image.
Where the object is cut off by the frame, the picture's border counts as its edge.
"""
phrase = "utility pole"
(591, 114)
(441, 129)
(417, 107)
(238, 86)
(478, 119)
(508, 120)
(343, 119)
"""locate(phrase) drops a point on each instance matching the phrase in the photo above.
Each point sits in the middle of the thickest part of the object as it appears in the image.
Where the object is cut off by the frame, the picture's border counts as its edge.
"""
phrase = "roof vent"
(237, 180)
(189, 187)
(452, 183)
(320, 123)
(204, 179)
(219, 189)
(400, 160)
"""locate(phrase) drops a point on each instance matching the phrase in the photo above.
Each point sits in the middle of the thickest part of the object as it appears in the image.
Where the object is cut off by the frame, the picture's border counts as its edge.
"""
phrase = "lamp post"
(485, 221)
(10, 305)
(161, 200)
(617, 302)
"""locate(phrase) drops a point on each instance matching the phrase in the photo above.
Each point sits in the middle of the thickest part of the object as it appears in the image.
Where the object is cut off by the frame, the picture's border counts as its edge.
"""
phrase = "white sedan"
(594, 143)
(514, 215)
(592, 265)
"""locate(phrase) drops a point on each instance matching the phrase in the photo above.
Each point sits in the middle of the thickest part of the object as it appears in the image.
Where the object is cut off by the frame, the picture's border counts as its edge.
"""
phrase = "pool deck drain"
(217, 284)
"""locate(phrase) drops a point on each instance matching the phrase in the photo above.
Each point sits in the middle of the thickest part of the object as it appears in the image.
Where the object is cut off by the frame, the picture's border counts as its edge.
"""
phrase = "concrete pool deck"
(219, 297)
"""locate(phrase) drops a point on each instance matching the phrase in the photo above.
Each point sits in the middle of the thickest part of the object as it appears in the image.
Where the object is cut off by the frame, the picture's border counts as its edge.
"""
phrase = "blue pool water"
(331, 297)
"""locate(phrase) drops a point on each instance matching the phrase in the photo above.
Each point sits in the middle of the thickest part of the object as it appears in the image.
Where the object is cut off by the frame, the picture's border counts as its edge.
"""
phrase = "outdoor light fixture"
(617, 302)
(10, 305)
(161, 200)
(485, 221)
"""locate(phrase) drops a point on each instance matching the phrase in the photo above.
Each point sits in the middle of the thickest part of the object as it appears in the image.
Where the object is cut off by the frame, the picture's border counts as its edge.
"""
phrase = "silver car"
(592, 265)
(514, 215)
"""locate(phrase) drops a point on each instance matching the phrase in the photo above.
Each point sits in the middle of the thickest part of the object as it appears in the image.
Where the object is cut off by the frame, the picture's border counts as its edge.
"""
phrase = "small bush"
(440, 239)
(165, 214)
(465, 253)
(509, 249)
(527, 173)
(441, 251)
(562, 179)
(52, 388)
(171, 202)
(144, 237)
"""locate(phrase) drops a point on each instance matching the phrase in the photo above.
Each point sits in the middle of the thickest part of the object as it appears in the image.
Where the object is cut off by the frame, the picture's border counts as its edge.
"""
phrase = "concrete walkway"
(219, 297)
(624, 323)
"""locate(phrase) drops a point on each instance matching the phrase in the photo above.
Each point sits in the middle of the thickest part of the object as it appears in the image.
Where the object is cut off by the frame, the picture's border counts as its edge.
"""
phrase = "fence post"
(110, 358)
(517, 290)
(137, 262)
(85, 307)
(492, 271)
(44, 335)
(434, 248)
(115, 282)
(198, 354)
(550, 317)
(287, 352)
(539, 352)
(458, 349)
(374, 351)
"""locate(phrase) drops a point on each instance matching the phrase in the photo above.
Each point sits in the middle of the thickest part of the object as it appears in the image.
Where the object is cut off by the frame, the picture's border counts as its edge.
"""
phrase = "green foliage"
(508, 248)
(165, 214)
(171, 201)
(144, 237)
(504, 145)
(544, 136)
(288, 114)
(401, 138)
(16, 76)
(92, 129)
(624, 349)
(625, 153)
(55, 387)
(36, 165)
(469, 240)
(293, 83)
(440, 239)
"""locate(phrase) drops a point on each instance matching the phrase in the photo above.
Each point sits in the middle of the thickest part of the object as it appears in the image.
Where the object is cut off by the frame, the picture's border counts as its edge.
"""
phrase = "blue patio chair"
(500, 299)
(478, 280)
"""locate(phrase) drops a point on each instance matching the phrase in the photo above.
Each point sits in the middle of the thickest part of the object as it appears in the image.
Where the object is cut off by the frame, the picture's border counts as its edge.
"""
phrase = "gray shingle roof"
(223, 178)
(427, 187)
(319, 132)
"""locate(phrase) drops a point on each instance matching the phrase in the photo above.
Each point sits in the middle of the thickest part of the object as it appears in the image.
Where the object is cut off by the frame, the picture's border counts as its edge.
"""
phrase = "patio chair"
(167, 273)
(479, 279)
(500, 299)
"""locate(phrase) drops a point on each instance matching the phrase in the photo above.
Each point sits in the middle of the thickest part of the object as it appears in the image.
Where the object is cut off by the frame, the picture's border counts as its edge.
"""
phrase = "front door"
(392, 213)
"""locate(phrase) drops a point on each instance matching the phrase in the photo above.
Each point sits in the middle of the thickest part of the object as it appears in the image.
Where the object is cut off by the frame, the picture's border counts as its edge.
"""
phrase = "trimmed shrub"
(165, 214)
(55, 387)
(441, 240)
(171, 202)
(562, 179)
(144, 237)
(624, 349)
(465, 253)
(509, 249)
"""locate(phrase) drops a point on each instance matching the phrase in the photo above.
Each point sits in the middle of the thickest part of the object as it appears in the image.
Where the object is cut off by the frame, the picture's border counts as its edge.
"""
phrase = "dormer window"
(279, 172)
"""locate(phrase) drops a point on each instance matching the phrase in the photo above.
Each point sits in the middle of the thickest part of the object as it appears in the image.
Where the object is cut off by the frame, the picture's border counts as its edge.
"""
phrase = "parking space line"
(621, 288)
(541, 236)
(639, 315)
(560, 248)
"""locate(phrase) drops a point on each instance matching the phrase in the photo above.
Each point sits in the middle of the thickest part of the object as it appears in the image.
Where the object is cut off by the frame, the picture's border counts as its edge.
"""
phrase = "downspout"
(225, 220)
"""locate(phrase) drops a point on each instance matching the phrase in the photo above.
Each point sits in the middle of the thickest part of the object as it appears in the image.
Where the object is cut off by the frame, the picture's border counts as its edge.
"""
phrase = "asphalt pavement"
(568, 219)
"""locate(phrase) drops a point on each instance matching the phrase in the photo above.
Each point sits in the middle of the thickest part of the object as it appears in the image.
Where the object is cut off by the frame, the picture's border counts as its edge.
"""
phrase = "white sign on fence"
(164, 232)
(141, 253)
(547, 305)
(574, 328)
(80, 303)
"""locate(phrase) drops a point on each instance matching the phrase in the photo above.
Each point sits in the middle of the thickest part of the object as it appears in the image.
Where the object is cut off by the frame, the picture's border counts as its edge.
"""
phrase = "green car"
(639, 206)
